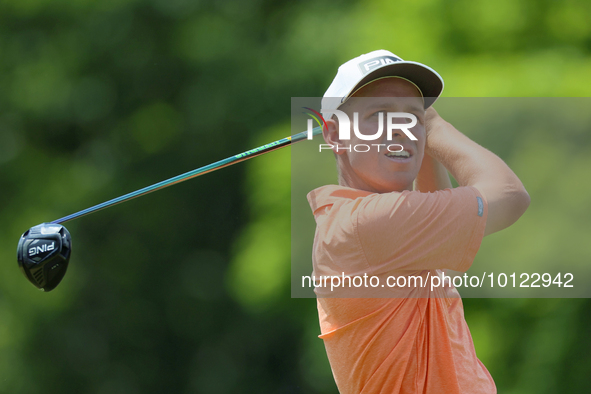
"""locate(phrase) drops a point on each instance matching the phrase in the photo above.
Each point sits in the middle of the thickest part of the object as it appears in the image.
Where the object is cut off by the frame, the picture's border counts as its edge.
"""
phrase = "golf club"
(44, 251)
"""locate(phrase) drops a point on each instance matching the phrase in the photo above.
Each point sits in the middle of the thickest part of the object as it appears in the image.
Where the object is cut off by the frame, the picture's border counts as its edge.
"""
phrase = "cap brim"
(430, 83)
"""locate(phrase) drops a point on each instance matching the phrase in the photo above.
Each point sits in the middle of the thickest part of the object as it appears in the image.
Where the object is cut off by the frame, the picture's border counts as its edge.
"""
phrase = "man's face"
(379, 170)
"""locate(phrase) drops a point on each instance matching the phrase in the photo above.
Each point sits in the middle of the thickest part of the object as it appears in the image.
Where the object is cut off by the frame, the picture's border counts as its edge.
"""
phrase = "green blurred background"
(187, 290)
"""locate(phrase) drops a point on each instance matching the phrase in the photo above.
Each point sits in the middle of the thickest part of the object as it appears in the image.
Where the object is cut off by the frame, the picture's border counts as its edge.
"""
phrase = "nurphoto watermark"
(392, 120)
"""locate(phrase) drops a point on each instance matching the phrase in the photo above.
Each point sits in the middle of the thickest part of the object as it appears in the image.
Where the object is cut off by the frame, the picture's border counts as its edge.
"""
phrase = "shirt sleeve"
(418, 231)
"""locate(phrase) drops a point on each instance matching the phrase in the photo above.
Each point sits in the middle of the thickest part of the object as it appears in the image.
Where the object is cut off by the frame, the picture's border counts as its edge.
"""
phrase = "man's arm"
(432, 177)
(472, 165)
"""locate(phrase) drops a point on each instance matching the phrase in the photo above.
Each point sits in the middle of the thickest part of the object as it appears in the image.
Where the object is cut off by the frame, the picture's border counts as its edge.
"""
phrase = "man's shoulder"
(335, 197)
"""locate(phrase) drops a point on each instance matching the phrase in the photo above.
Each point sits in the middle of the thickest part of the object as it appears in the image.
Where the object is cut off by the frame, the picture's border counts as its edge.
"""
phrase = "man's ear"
(331, 136)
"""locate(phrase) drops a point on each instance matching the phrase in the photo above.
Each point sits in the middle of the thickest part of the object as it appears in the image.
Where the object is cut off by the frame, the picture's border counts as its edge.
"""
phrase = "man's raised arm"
(432, 176)
(472, 165)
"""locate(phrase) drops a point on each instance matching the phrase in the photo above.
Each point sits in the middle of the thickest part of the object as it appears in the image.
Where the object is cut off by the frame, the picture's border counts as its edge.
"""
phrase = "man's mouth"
(403, 155)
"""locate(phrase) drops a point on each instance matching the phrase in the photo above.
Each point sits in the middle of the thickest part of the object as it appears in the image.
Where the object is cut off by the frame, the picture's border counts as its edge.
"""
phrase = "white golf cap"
(366, 68)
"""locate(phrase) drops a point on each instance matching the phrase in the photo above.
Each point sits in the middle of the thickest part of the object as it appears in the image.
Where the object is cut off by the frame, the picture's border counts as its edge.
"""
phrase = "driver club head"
(43, 254)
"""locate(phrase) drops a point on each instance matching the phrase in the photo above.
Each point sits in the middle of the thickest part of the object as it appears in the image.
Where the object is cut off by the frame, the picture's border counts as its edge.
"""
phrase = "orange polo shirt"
(388, 339)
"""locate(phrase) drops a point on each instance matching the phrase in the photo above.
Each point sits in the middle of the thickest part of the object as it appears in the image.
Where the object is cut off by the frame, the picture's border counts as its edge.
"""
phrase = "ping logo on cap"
(377, 62)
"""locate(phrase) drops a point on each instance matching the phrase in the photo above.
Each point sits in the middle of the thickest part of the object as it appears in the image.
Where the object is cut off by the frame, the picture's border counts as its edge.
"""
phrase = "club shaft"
(249, 154)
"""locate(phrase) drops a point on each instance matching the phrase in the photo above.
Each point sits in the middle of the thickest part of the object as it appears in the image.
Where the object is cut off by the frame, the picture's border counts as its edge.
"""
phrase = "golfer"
(395, 215)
